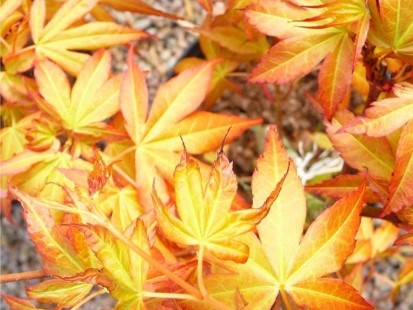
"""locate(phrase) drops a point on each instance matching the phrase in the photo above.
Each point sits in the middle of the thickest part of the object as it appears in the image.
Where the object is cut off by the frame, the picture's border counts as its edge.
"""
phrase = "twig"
(22, 276)
(168, 295)
(89, 297)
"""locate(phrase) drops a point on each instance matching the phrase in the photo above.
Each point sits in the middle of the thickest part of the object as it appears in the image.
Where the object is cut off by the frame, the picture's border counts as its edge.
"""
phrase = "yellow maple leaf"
(205, 219)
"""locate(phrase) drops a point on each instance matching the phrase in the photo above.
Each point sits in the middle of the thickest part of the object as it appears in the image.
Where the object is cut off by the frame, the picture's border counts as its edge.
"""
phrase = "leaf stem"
(200, 271)
(383, 53)
(124, 175)
(154, 263)
(6, 45)
(22, 276)
(169, 295)
(89, 297)
(286, 299)
(25, 49)
(173, 277)
(238, 74)
(123, 153)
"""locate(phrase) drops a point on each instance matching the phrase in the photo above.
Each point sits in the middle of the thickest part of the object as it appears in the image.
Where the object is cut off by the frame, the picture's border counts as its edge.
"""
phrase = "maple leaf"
(361, 152)
(59, 257)
(18, 303)
(355, 277)
(279, 18)
(43, 134)
(43, 179)
(205, 219)
(294, 267)
(328, 292)
(390, 27)
(405, 277)
(235, 40)
(401, 182)
(8, 7)
(405, 239)
(93, 98)
(310, 34)
(294, 57)
(372, 242)
(254, 280)
(12, 138)
(259, 282)
(219, 80)
(155, 136)
(341, 185)
(15, 32)
(385, 116)
(336, 13)
(121, 204)
(12, 142)
(16, 89)
(59, 292)
(25, 159)
(406, 216)
(275, 230)
(120, 264)
(66, 252)
(335, 75)
(57, 41)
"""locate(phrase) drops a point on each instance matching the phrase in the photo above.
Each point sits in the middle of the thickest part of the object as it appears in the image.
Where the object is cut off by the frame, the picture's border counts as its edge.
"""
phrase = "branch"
(22, 276)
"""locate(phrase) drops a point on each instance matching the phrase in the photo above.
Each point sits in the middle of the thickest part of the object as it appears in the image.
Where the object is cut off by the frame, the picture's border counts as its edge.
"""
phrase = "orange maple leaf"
(282, 261)
(155, 135)
(309, 35)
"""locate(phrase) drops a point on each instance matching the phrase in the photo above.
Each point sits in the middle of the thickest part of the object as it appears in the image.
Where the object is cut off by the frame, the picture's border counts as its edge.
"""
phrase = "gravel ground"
(158, 57)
